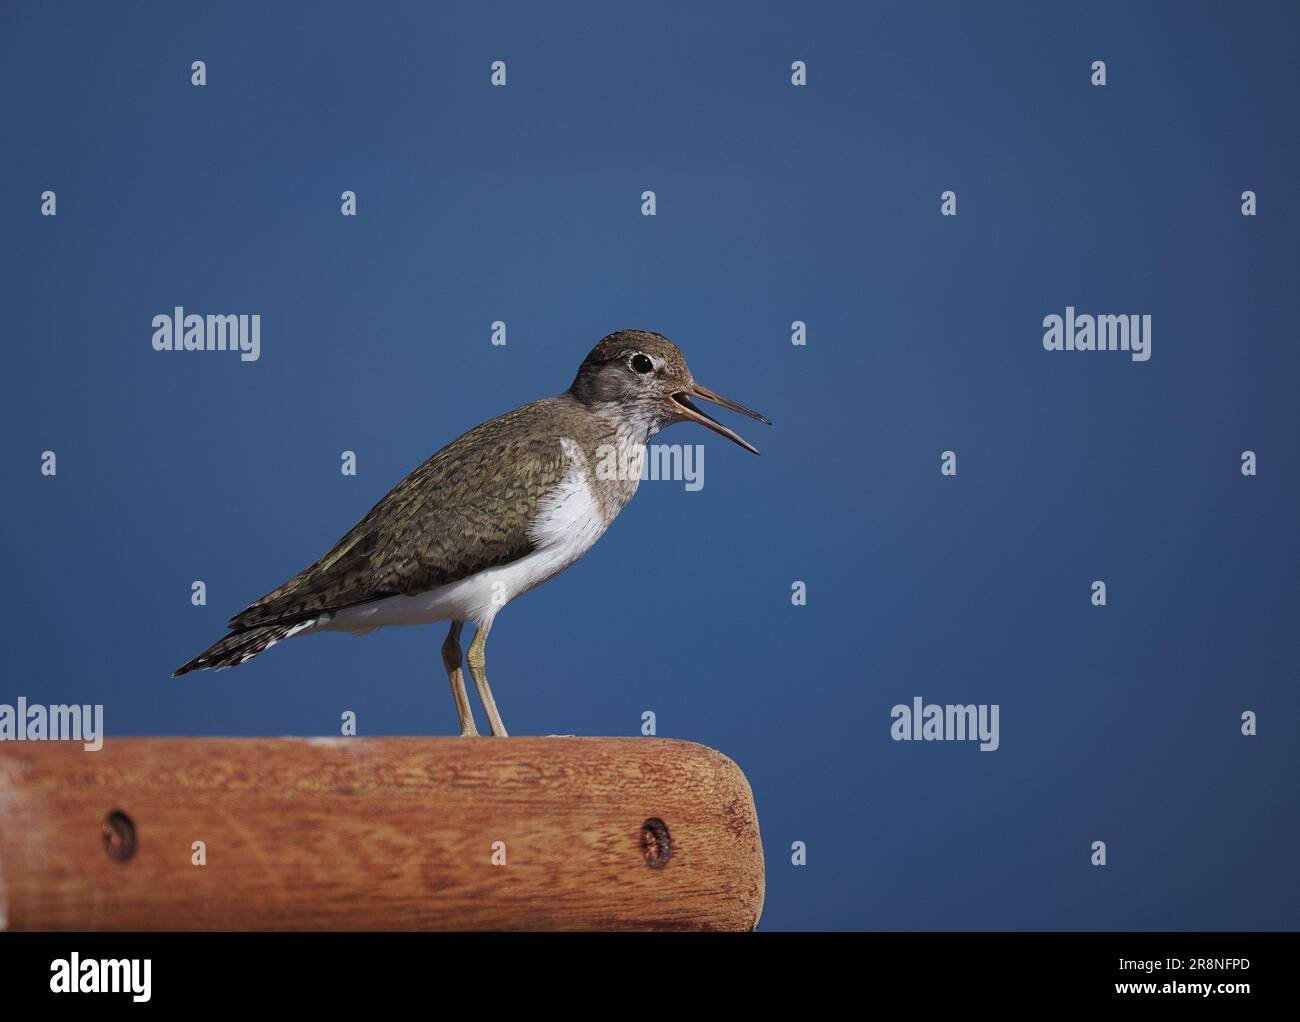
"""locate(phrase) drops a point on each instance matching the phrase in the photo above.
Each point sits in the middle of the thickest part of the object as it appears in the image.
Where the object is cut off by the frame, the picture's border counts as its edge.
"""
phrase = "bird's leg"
(477, 671)
(451, 661)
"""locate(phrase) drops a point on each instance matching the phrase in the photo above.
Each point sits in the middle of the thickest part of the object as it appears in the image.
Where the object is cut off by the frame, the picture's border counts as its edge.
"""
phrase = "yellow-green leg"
(476, 658)
(451, 661)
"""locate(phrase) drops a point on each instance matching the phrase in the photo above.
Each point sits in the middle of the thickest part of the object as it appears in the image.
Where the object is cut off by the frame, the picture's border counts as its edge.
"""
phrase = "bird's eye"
(641, 363)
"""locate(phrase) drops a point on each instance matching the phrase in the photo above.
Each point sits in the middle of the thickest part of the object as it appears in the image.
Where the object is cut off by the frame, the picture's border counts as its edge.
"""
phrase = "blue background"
(775, 203)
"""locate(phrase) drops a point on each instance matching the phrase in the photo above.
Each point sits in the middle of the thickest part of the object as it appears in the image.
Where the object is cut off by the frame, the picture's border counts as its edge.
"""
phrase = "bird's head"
(642, 377)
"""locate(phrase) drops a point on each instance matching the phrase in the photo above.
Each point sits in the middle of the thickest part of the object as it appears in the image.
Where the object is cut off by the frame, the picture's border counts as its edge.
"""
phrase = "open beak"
(689, 410)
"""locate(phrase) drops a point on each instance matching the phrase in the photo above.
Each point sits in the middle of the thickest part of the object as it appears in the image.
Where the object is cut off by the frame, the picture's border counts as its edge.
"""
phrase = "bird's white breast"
(568, 521)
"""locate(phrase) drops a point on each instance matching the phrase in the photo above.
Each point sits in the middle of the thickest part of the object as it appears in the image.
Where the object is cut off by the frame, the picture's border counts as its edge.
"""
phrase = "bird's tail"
(237, 647)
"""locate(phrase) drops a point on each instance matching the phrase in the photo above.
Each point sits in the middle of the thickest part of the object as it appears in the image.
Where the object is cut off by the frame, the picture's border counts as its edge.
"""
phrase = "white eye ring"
(641, 363)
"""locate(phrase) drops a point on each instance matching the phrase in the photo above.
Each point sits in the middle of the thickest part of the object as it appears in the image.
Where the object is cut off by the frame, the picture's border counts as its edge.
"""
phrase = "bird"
(495, 513)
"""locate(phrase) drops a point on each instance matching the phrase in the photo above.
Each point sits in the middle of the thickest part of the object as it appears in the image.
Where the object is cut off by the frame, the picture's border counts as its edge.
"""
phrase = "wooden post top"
(376, 833)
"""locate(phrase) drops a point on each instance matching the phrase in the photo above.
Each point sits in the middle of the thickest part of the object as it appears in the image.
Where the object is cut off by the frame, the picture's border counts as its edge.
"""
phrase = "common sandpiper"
(496, 512)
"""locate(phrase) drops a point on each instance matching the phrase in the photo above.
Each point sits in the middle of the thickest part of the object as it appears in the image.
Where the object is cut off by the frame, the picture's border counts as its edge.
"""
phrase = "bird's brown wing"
(464, 510)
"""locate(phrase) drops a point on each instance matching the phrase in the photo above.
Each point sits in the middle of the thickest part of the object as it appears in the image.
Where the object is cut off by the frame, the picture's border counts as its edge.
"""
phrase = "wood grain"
(376, 834)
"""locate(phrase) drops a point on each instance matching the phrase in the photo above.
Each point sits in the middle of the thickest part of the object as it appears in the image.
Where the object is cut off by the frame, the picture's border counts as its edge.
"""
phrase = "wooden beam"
(376, 834)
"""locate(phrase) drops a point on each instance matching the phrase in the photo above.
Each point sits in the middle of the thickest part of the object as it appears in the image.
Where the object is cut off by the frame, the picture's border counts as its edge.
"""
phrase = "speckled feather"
(463, 510)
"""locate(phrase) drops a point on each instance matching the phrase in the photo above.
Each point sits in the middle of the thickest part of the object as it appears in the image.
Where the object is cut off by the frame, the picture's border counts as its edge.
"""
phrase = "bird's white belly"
(569, 520)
